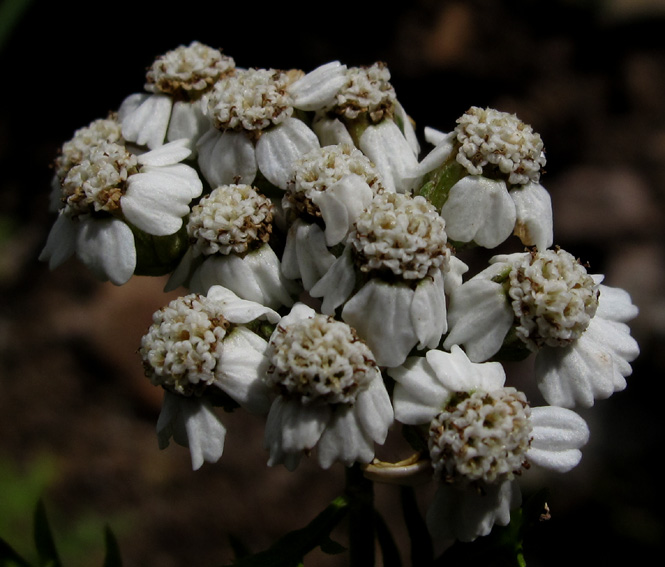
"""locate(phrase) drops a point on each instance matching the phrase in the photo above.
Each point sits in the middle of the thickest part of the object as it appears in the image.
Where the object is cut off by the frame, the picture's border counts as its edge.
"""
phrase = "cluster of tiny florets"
(251, 100)
(489, 139)
(367, 91)
(182, 347)
(481, 436)
(99, 181)
(75, 150)
(188, 71)
(400, 234)
(321, 168)
(319, 359)
(230, 219)
(553, 297)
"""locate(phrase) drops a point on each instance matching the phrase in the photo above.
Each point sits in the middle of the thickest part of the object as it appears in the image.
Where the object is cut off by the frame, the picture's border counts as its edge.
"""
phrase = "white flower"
(366, 113)
(481, 436)
(174, 106)
(334, 184)
(229, 231)
(394, 269)
(330, 393)
(112, 192)
(254, 129)
(574, 324)
(492, 163)
(197, 342)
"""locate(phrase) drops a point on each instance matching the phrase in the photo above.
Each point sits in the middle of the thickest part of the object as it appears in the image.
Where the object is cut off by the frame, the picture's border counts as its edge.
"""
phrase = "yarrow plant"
(321, 242)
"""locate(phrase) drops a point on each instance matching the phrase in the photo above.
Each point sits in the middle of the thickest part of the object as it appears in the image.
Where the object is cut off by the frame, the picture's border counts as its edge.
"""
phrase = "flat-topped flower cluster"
(319, 239)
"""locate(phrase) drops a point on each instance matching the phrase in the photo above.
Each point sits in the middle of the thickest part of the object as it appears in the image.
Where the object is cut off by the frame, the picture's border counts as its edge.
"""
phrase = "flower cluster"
(321, 251)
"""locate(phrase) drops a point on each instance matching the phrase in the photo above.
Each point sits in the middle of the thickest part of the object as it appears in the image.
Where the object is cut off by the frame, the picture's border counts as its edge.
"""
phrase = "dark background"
(77, 417)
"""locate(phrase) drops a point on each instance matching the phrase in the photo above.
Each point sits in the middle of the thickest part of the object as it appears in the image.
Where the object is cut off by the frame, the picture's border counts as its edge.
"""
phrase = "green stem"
(360, 492)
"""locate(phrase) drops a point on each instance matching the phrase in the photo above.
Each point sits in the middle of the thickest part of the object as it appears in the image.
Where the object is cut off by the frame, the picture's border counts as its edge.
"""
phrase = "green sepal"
(437, 184)
(158, 255)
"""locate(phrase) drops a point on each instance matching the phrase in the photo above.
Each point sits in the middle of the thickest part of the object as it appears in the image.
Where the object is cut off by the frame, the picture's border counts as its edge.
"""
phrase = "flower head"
(574, 324)
(493, 140)
(319, 359)
(187, 72)
(400, 235)
(481, 436)
(230, 219)
(330, 393)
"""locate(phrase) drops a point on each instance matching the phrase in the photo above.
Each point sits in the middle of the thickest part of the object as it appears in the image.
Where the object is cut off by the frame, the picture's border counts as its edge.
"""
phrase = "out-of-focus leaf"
(46, 548)
(112, 550)
(9, 557)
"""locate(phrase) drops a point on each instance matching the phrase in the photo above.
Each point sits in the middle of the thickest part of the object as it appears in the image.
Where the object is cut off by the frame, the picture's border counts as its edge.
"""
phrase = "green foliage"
(46, 548)
(290, 550)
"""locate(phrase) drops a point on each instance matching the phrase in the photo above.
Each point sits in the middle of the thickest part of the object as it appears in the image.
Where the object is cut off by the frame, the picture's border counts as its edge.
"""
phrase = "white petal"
(306, 255)
(379, 312)
(188, 120)
(434, 136)
(438, 155)
(428, 311)
(156, 201)
(227, 271)
(318, 88)
(226, 157)
(533, 206)
(343, 440)
(168, 154)
(241, 369)
(107, 248)
(337, 283)
(204, 432)
(238, 310)
(465, 514)
(479, 210)
(458, 374)
(391, 154)
(266, 270)
(60, 243)
(183, 271)
(615, 304)
(373, 410)
(278, 148)
(591, 368)
(479, 318)
(341, 204)
(558, 434)
(453, 278)
(145, 119)
(292, 428)
(419, 395)
(331, 131)
(407, 127)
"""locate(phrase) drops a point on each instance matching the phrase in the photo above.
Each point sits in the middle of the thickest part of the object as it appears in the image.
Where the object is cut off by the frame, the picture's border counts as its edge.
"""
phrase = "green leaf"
(290, 550)
(46, 548)
(112, 550)
(9, 557)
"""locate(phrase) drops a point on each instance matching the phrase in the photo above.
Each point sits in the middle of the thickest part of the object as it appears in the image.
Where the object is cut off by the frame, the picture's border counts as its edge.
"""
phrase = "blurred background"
(77, 417)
